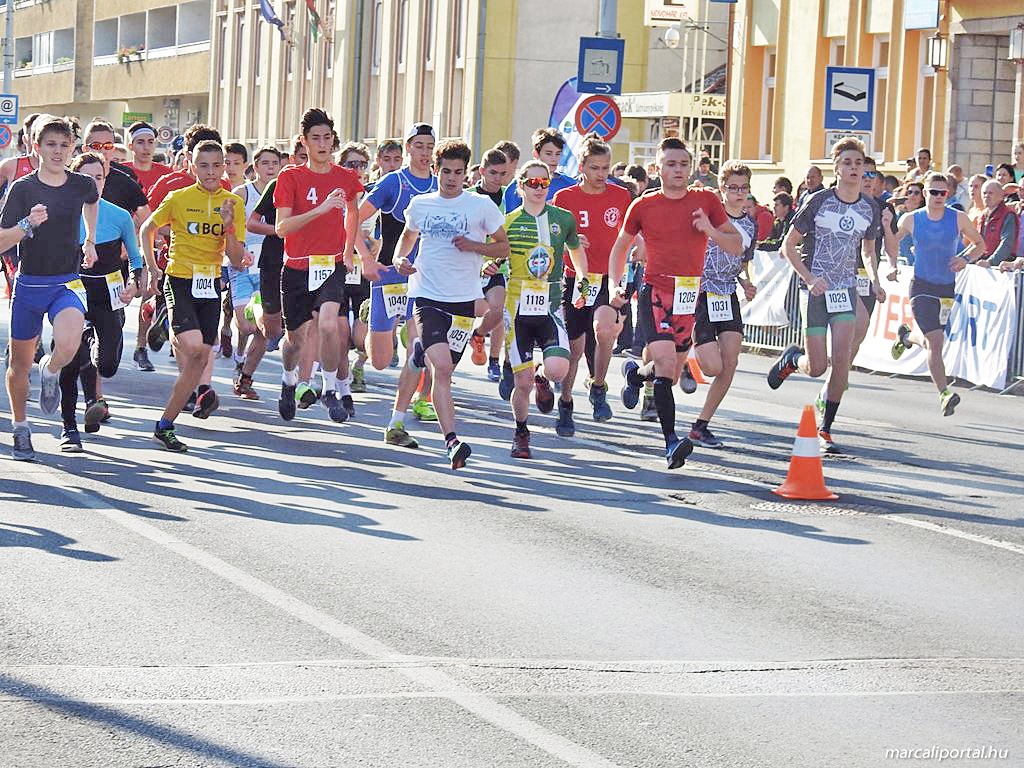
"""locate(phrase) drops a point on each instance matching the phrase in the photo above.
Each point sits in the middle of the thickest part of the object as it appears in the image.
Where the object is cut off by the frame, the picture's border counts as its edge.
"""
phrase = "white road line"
(957, 533)
(431, 678)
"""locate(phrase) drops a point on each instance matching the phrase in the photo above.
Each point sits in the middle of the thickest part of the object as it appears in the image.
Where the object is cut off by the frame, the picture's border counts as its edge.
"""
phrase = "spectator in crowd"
(1004, 175)
(1018, 160)
(618, 169)
(922, 165)
(474, 175)
(961, 195)
(653, 182)
(704, 174)
(998, 227)
(782, 184)
(761, 216)
(639, 176)
(891, 185)
(912, 199)
(813, 182)
(784, 213)
(977, 205)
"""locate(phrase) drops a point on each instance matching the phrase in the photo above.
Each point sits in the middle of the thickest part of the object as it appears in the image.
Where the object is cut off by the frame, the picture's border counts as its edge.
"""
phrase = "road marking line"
(957, 533)
(437, 681)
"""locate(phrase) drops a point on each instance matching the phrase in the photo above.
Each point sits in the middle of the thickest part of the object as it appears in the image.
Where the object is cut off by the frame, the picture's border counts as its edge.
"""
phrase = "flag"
(314, 19)
(267, 11)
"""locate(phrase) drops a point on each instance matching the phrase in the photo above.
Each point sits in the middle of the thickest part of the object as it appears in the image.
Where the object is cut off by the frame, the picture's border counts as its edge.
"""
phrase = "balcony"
(44, 67)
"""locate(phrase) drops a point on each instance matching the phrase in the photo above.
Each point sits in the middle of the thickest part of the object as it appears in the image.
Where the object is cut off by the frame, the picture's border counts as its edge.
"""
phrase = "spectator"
(474, 175)
(998, 227)
(891, 185)
(1018, 160)
(653, 182)
(784, 213)
(977, 205)
(1004, 175)
(618, 169)
(782, 185)
(638, 175)
(913, 198)
(761, 216)
(813, 182)
(704, 174)
(922, 165)
(961, 195)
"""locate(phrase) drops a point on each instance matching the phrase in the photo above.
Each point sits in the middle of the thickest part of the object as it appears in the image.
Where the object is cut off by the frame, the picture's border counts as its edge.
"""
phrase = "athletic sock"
(521, 427)
(397, 417)
(700, 425)
(666, 405)
(649, 390)
(831, 408)
(290, 378)
(164, 424)
(330, 380)
(344, 386)
(492, 359)
(646, 371)
(19, 424)
(450, 438)
(202, 389)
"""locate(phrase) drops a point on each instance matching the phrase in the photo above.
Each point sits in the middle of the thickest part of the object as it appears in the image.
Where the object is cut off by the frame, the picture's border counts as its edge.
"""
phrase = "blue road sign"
(599, 114)
(849, 99)
(600, 65)
(8, 109)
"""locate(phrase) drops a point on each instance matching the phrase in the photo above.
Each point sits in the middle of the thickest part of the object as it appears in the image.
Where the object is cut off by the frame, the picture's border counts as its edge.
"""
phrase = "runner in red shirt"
(318, 217)
(675, 223)
(142, 142)
(599, 208)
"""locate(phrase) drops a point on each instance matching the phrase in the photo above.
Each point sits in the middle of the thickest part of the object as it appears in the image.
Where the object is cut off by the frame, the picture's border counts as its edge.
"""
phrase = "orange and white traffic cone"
(805, 479)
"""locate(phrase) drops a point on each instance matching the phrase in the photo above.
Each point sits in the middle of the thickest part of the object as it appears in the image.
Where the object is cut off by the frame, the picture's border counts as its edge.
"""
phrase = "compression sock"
(521, 427)
(665, 403)
(831, 408)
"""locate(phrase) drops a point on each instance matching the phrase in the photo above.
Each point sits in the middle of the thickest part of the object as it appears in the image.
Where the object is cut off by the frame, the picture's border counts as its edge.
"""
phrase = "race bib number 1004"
(203, 277)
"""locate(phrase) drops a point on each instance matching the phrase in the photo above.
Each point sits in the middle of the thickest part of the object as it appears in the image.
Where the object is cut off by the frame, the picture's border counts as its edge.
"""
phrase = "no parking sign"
(599, 114)
(5, 136)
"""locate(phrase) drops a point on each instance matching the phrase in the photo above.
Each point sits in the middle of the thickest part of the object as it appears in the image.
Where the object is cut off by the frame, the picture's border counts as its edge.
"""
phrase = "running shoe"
(349, 405)
(676, 452)
(649, 411)
(334, 407)
(704, 437)
(521, 446)
(147, 309)
(96, 412)
(190, 404)
(22, 450)
(49, 387)
(825, 442)
(543, 395)
(358, 378)
(157, 336)
(70, 440)
(418, 355)
(141, 359)
(169, 440)
(479, 355)
(206, 403)
(493, 370)
(286, 403)
(225, 344)
(243, 387)
(948, 401)
(458, 452)
(394, 359)
(397, 435)
(364, 311)
(564, 425)
(599, 399)
(902, 343)
(507, 382)
(784, 366)
(424, 410)
(305, 395)
(686, 381)
(631, 388)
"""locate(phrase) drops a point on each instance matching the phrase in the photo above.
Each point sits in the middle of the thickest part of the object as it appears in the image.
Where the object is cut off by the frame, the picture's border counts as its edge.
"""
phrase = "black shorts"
(706, 331)
(656, 322)
(581, 321)
(497, 280)
(299, 303)
(270, 284)
(435, 320)
(357, 293)
(187, 313)
(868, 301)
(926, 300)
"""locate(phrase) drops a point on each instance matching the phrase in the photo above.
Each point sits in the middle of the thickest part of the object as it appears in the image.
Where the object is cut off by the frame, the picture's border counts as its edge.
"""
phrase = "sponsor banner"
(979, 333)
(771, 272)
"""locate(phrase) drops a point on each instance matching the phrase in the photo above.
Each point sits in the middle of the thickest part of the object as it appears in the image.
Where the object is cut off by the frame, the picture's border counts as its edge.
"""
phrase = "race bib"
(79, 289)
(115, 284)
(459, 332)
(594, 280)
(354, 276)
(838, 301)
(321, 267)
(684, 298)
(945, 307)
(533, 300)
(395, 299)
(203, 286)
(719, 308)
(863, 284)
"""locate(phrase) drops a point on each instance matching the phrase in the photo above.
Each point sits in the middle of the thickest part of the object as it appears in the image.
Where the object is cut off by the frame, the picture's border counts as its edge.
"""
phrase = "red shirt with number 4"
(674, 246)
(302, 190)
(599, 217)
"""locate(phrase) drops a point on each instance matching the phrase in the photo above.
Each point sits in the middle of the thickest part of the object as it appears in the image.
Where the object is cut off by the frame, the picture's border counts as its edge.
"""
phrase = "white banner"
(978, 336)
(771, 272)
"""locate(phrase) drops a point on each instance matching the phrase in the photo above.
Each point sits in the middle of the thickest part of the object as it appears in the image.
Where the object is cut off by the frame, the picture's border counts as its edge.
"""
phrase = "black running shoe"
(507, 382)
(157, 336)
(70, 440)
(349, 405)
(286, 405)
(565, 426)
(631, 389)
(543, 395)
(142, 360)
(191, 404)
(334, 407)
(676, 452)
(169, 440)
(458, 452)
(206, 404)
(784, 366)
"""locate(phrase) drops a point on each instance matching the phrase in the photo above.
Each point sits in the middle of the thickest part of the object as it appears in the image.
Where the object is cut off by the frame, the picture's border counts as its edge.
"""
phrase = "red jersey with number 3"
(675, 248)
(599, 217)
(302, 190)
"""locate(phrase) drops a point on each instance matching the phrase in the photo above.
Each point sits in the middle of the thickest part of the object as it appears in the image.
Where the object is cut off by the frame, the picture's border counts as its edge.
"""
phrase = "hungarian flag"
(267, 11)
(314, 20)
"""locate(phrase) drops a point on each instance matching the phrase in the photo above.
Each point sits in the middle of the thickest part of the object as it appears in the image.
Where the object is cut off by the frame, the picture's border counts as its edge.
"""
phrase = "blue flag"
(267, 11)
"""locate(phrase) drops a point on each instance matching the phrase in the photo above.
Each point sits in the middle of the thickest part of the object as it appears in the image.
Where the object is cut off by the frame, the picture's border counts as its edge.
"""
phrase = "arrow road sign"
(849, 99)
(600, 65)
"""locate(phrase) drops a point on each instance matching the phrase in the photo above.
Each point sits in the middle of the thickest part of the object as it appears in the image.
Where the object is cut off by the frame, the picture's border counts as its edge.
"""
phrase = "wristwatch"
(26, 226)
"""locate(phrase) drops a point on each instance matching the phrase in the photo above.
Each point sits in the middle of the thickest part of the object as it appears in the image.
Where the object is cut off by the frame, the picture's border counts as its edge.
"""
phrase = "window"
(330, 24)
(239, 43)
(104, 38)
(458, 30)
(23, 52)
(64, 45)
(161, 27)
(132, 33)
(308, 49)
(880, 62)
(289, 21)
(375, 37)
(837, 52)
(42, 49)
(257, 49)
(428, 34)
(194, 22)
(925, 98)
(222, 41)
(403, 23)
(768, 105)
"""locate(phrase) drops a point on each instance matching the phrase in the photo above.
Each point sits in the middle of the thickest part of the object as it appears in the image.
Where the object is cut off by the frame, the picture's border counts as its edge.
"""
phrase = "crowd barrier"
(984, 337)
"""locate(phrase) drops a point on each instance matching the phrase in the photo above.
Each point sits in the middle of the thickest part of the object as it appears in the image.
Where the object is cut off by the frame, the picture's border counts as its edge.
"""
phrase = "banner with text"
(771, 272)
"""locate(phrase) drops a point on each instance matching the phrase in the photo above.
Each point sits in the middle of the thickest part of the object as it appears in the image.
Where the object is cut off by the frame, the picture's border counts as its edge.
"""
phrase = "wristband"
(229, 229)
(26, 227)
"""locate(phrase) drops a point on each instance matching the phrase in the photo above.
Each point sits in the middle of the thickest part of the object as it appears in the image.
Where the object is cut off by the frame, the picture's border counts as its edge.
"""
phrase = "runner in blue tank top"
(937, 231)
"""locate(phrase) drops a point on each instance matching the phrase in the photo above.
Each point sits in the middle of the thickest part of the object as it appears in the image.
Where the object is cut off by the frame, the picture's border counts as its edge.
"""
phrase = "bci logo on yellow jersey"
(204, 228)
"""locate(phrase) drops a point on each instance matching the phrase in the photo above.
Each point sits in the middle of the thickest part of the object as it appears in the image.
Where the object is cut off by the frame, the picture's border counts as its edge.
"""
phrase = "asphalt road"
(302, 595)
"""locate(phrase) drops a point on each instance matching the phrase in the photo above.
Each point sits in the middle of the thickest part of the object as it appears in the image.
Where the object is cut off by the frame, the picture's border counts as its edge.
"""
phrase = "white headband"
(143, 131)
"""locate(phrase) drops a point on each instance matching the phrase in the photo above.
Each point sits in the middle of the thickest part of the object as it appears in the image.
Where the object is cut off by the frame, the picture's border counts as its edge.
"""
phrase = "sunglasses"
(870, 174)
(738, 187)
(537, 182)
(356, 165)
(937, 192)
(108, 145)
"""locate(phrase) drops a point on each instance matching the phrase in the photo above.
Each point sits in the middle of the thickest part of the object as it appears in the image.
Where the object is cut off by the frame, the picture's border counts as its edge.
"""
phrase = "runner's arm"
(258, 226)
(147, 234)
(366, 210)
(728, 239)
(578, 256)
(90, 212)
(617, 257)
(405, 245)
(352, 231)
(287, 224)
(790, 252)
(495, 250)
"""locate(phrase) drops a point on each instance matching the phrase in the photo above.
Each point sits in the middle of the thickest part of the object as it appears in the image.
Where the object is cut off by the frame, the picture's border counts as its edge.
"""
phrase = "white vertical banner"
(771, 273)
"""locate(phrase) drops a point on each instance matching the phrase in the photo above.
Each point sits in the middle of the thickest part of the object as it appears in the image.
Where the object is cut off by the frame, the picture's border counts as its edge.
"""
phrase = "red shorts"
(656, 322)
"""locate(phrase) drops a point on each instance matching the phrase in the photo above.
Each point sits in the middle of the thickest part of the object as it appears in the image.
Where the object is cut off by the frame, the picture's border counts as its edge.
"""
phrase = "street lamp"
(672, 36)
(1017, 43)
(938, 51)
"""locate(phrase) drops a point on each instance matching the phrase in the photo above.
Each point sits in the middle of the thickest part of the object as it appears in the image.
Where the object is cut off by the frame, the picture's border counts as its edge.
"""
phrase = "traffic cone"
(805, 479)
(695, 371)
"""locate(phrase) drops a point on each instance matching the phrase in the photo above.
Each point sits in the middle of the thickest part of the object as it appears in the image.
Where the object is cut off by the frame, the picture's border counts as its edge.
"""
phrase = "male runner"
(538, 235)
(318, 219)
(599, 208)
(547, 147)
(511, 150)
(676, 224)
(202, 223)
(388, 300)
(494, 170)
(42, 216)
(455, 229)
(937, 230)
(389, 157)
(838, 228)
(718, 325)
